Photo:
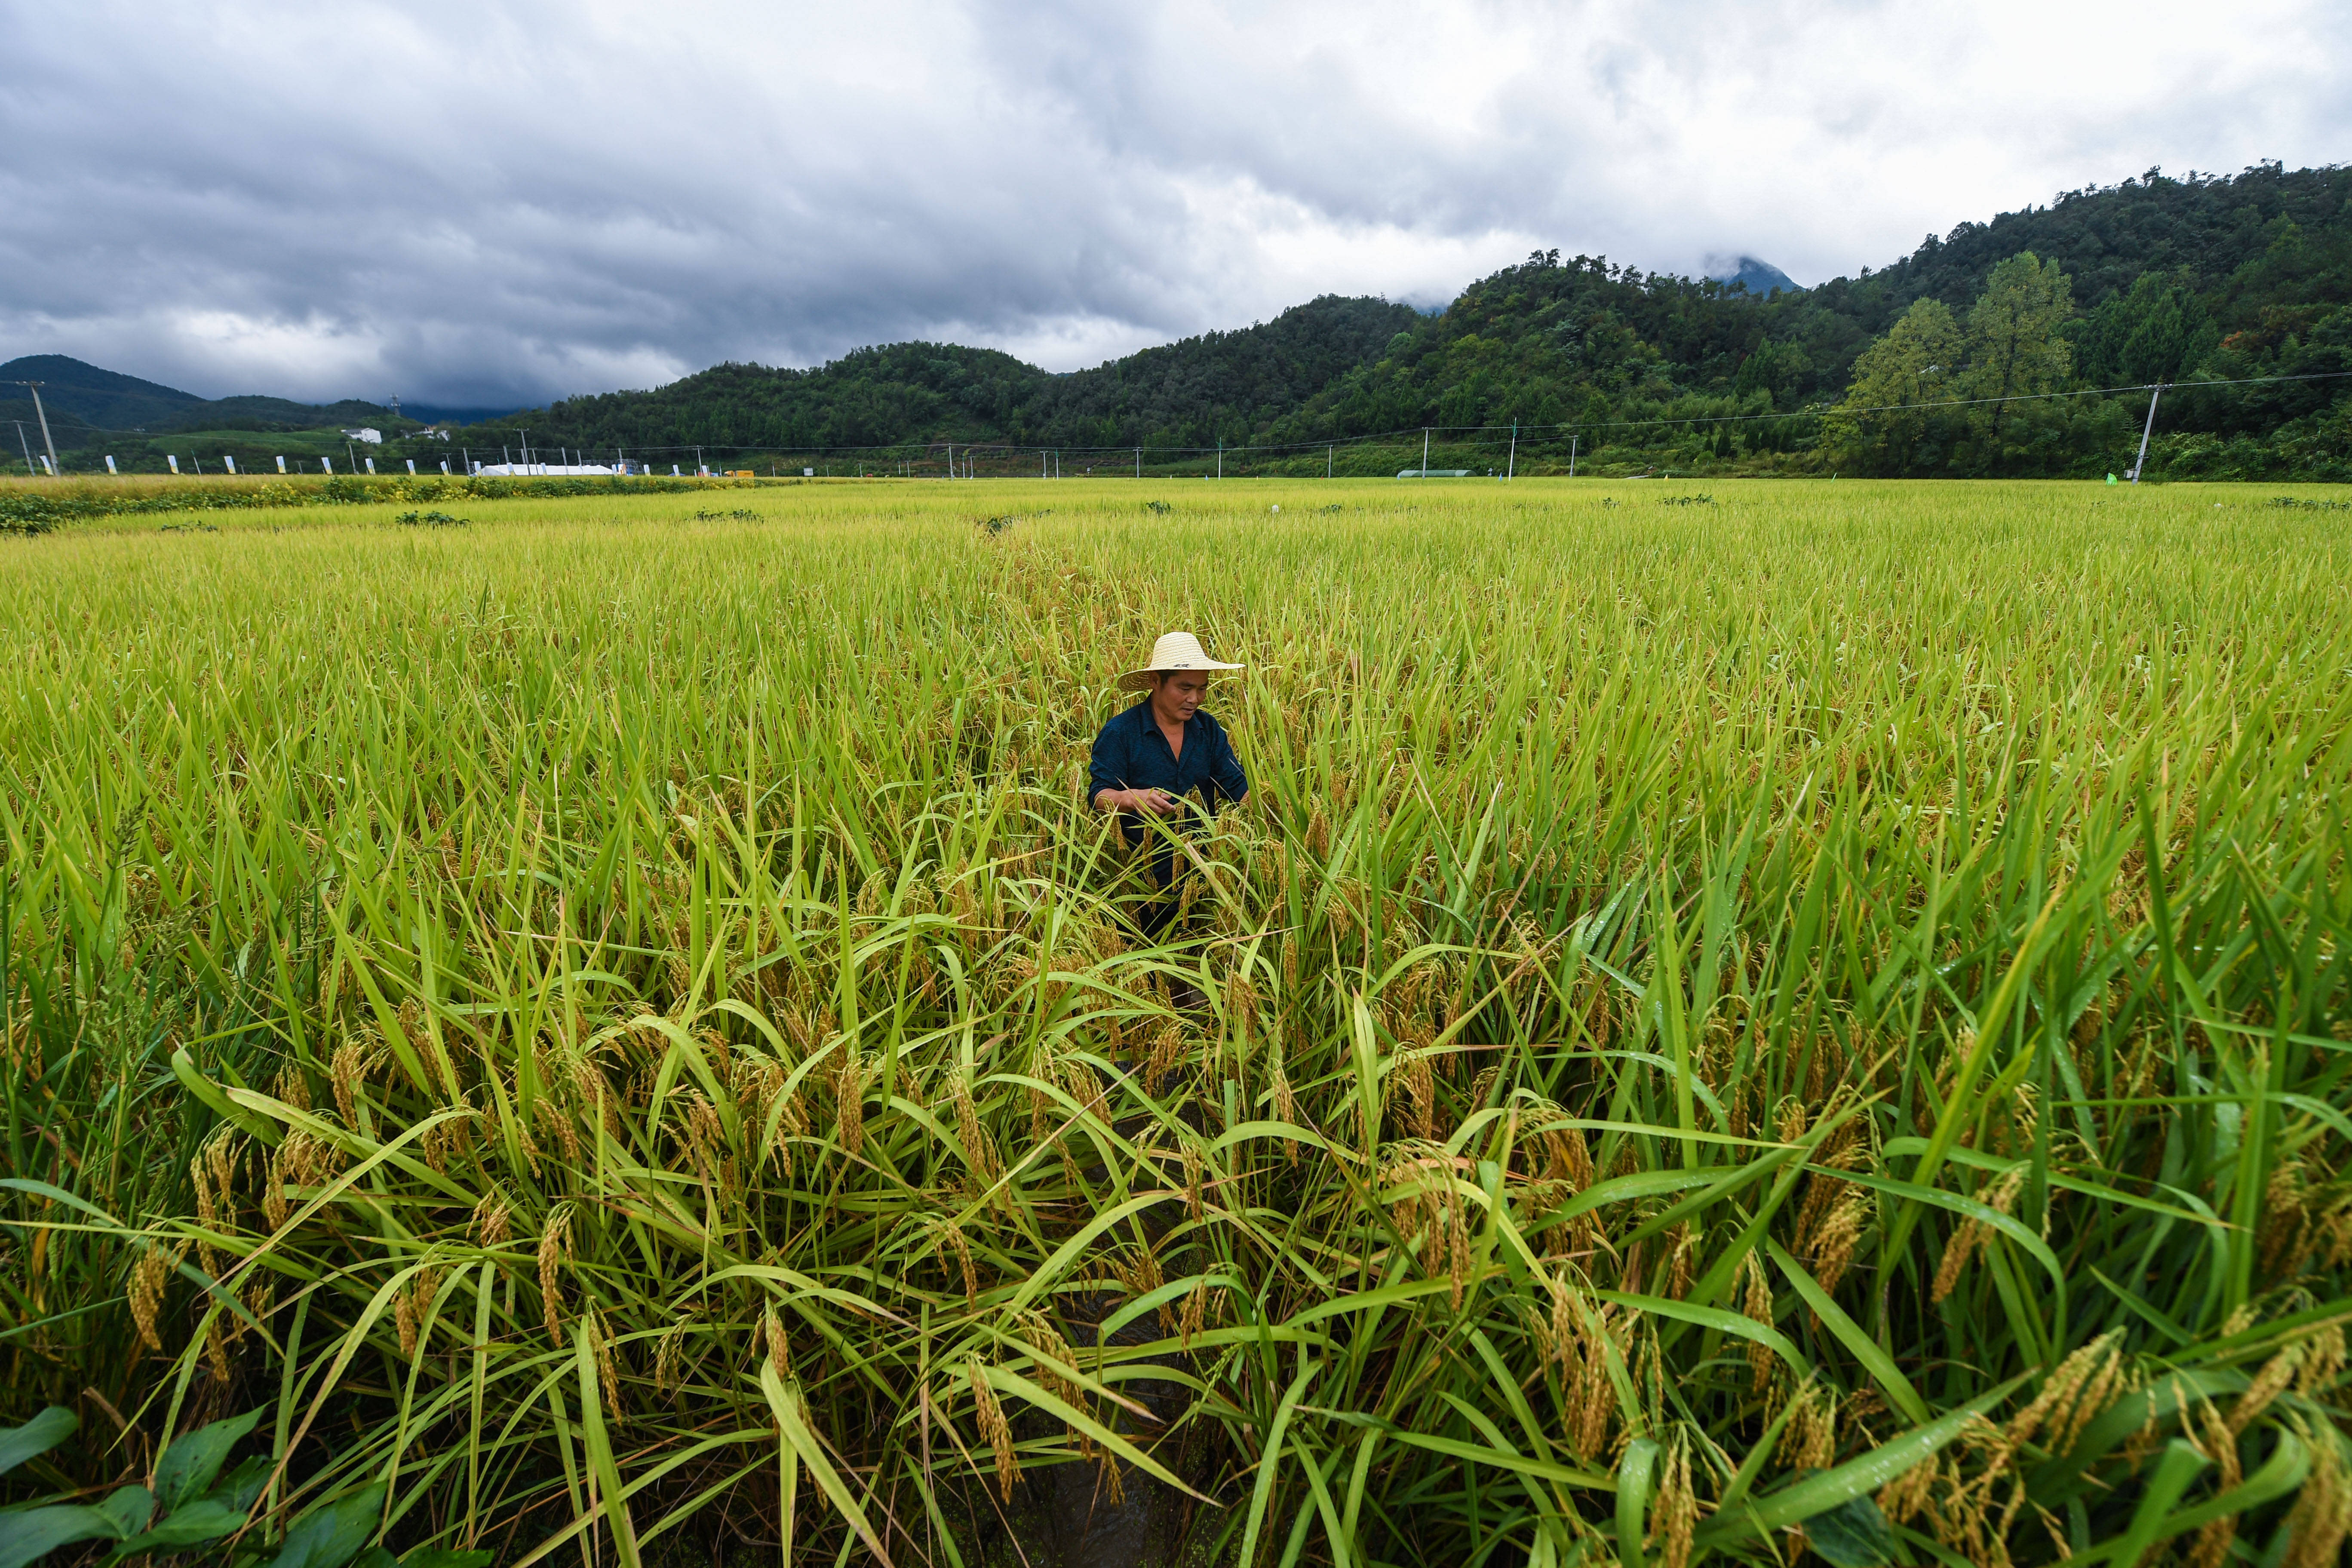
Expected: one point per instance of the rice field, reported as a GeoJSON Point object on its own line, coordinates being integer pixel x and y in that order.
{"type": "Point", "coordinates": [1790, 1021]}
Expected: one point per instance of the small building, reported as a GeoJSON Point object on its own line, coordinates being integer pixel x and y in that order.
{"type": "Point", "coordinates": [368, 433]}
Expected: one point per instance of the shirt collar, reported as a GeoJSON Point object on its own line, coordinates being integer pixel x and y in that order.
{"type": "Point", "coordinates": [1142, 716]}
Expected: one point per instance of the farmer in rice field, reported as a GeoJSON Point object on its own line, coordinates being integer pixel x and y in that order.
{"type": "Point", "coordinates": [1162, 761]}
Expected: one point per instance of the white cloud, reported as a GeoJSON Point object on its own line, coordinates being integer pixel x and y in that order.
{"type": "Point", "coordinates": [466, 203]}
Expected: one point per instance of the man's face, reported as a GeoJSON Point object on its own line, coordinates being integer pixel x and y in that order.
{"type": "Point", "coordinates": [1179, 694]}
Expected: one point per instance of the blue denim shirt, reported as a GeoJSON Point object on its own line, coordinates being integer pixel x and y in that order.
{"type": "Point", "coordinates": [1131, 753]}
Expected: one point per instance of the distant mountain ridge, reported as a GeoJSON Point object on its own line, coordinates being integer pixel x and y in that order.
{"type": "Point", "coordinates": [85, 398]}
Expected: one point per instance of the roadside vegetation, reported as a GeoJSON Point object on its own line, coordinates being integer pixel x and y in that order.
{"type": "Point", "coordinates": [41, 506]}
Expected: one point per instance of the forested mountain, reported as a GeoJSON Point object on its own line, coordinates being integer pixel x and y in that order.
{"type": "Point", "coordinates": [2202, 282]}
{"type": "Point", "coordinates": [1993, 350]}
{"type": "Point", "coordinates": [79, 394]}
{"type": "Point", "coordinates": [2195, 280]}
{"type": "Point", "coordinates": [2105, 239]}
{"type": "Point", "coordinates": [1186, 394]}
{"type": "Point", "coordinates": [2157, 279]}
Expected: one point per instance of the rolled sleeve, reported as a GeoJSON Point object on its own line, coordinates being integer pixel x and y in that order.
{"type": "Point", "coordinates": [1108, 769]}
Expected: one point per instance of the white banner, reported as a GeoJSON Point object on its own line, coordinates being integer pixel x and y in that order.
{"type": "Point", "coordinates": [281, 464]}
{"type": "Point", "coordinates": [109, 465]}
{"type": "Point", "coordinates": [174, 461]}
{"type": "Point", "coordinates": [228, 462]}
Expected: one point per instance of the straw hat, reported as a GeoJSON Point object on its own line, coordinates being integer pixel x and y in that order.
{"type": "Point", "coordinates": [1177, 651]}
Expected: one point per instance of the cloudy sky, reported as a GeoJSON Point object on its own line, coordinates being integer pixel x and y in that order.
{"type": "Point", "coordinates": [493, 203]}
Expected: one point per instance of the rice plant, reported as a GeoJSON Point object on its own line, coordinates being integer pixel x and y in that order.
{"type": "Point", "coordinates": [1814, 1022]}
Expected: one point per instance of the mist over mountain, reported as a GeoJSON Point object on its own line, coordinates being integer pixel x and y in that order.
{"type": "Point", "coordinates": [1758, 278]}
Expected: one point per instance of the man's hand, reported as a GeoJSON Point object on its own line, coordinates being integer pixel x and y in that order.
{"type": "Point", "coordinates": [1150, 802]}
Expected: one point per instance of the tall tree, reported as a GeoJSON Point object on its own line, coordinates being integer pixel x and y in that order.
{"type": "Point", "coordinates": [2158, 330]}
{"type": "Point", "coordinates": [1883, 424]}
{"type": "Point", "coordinates": [2013, 343]}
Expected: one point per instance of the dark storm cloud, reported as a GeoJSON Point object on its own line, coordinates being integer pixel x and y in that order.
{"type": "Point", "coordinates": [497, 205]}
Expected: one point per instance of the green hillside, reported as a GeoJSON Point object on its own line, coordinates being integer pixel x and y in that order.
{"type": "Point", "coordinates": [2157, 279]}
{"type": "Point", "coordinates": [80, 397]}
{"type": "Point", "coordinates": [1194, 393]}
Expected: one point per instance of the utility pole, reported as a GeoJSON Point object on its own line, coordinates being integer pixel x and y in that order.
{"type": "Point", "coordinates": [1328, 452]}
{"type": "Point", "coordinates": [2145, 430]}
{"type": "Point", "coordinates": [1221, 459]}
{"type": "Point", "coordinates": [1512, 467]}
{"type": "Point", "coordinates": [526, 449]}
{"type": "Point", "coordinates": [1424, 451]}
{"type": "Point", "coordinates": [43, 416]}
{"type": "Point", "coordinates": [1571, 457]}
{"type": "Point", "coordinates": [1139, 463]}
{"type": "Point", "coordinates": [30, 471]}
